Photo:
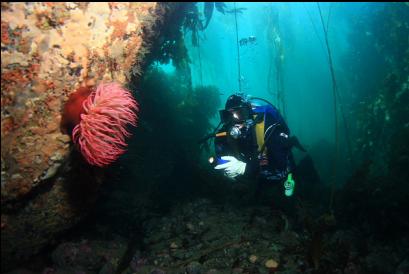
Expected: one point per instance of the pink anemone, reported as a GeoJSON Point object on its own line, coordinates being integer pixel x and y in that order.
{"type": "Point", "coordinates": [97, 120]}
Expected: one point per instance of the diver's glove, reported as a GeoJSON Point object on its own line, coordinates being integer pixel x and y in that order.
{"type": "Point", "coordinates": [289, 185]}
{"type": "Point", "coordinates": [233, 167]}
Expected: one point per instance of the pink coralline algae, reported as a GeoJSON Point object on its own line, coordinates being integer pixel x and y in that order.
{"type": "Point", "coordinates": [97, 121]}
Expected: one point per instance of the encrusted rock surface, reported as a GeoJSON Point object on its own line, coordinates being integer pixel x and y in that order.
{"type": "Point", "coordinates": [48, 50]}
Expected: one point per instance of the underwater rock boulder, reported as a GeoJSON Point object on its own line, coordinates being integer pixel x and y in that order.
{"type": "Point", "coordinates": [49, 50]}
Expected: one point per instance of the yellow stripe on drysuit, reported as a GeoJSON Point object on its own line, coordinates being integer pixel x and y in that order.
{"type": "Point", "coordinates": [260, 134]}
{"type": "Point", "coordinates": [221, 134]}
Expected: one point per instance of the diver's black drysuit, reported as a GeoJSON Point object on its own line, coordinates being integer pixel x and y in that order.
{"type": "Point", "coordinates": [278, 160]}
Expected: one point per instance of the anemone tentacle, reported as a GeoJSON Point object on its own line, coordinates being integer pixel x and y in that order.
{"type": "Point", "coordinates": [101, 133]}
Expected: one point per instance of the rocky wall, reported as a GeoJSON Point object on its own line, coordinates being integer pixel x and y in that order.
{"type": "Point", "coordinates": [48, 50]}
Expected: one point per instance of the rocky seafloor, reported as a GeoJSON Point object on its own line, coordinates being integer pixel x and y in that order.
{"type": "Point", "coordinates": [204, 237]}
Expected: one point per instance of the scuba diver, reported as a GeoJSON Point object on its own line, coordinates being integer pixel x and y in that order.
{"type": "Point", "coordinates": [255, 141]}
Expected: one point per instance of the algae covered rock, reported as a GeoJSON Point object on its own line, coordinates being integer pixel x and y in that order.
{"type": "Point", "coordinates": [48, 51]}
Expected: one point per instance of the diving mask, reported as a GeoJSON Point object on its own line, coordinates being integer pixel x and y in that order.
{"type": "Point", "coordinates": [235, 115]}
